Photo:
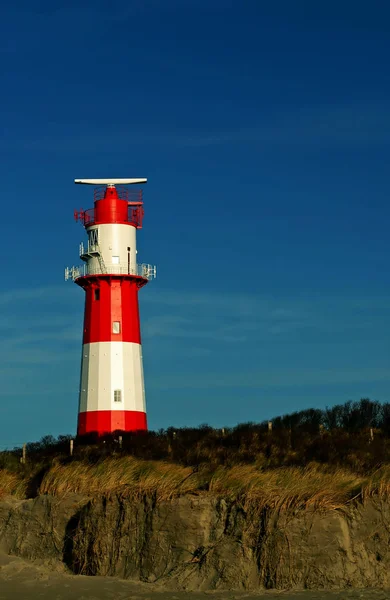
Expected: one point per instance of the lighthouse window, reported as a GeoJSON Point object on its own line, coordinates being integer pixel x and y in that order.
{"type": "Point", "coordinates": [116, 327]}
{"type": "Point", "coordinates": [117, 395]}
{"type": "Point", "coordinates": [97, 294]}
{"type": "Point", "coordinates": [93, 237]}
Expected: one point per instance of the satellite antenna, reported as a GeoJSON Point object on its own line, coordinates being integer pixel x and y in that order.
{"type": "Point", "coordinates": [110, 182]}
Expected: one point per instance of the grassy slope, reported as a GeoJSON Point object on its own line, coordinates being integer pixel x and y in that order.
{"type": "Point", "coordinates": [312, 486]}
{"type": "Point", "coordinates": [310, 458]}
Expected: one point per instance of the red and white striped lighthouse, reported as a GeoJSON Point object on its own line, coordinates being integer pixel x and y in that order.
{"type": "Point", "coordinates": [112, 391]}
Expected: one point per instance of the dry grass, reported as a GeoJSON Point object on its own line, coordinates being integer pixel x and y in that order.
{"type": "Point", "coordinates": [288, 488]}
{"type": "Point", "coordinates": [125, 474]}
{"type": "Point", "coordinates": [378, 484]}
{"type": "Point", "coordinates": [292, 487]}
{"type": "Point", "coordinates": [12, 484]}
{"type": "Point", "coordinates": [314, 486]}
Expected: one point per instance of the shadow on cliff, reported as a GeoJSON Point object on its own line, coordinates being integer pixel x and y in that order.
{"type": "Point", "coordinates": [68, 556]}
{"type": "Point", "coordinates": [34, 483]}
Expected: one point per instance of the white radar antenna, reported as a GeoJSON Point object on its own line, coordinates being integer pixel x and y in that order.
{"type": "Point", "coordinates": [110, 182]}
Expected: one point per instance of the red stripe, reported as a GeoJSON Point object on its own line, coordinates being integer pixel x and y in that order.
{"type": "Point", "coordinates": [117, 301]}
{"type": "Point", "coordinates": [107, 421]}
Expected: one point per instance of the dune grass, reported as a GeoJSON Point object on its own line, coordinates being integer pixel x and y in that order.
{"type": "Point", "coordinates": [12, 484]}
{"type": "Point", "coordinates": [310, 458]}
{"type": "Point", "coordinates": [119, 475]}
{"type": "Point", "coordinates": [313, 486]}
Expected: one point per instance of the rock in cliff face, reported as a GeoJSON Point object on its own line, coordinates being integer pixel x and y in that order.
{"type": "Point", "coordinates": [202, 542]}
{"type": "Point", "coordinates": [36, 528]}
{"type": "Point", "coordinates": [189, 542]}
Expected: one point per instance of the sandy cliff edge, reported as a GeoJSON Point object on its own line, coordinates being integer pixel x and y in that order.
{"type": "Point", "coordinates": [202, 542]}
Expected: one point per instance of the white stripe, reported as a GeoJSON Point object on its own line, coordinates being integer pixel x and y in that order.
{"type": "Point", "coordinates": [110, 366]}
{"type": "Point", "coordinates": [114, 239]}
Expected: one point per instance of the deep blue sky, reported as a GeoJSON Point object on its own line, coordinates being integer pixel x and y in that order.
{"type": "Point", "coordinates": [264, 130]}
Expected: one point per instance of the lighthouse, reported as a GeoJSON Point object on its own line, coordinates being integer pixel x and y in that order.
{"type": "Point", "coordinates": [112, 390]}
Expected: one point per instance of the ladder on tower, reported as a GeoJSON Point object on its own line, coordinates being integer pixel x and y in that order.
{"type": "Point", "coordinates": [93, 251]}
{"type": "Point", "coordinates": [102, 264]}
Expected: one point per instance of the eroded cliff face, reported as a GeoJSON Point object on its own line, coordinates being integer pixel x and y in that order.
{"type": "Point", "coordinates": [202, 542]}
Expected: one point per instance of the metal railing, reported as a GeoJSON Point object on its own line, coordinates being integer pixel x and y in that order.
{"type": "Point", "coordinates": [143, 270]}
{"type": "Point", "coordinates": [123, 193]}
{"type": "Point", "coordinates": [93, 250]}
{"type": "Point", "coordinates": [89, 249]}
{"type": "Point", "coordinates": [134, 216]}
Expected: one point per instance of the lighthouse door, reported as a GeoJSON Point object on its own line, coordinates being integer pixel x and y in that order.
{"type": "Point", "coordinates": [128, 260]}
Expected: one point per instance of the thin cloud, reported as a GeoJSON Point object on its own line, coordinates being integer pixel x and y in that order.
{"type": "Point", "coordinates": [171, 326]}
{"type": "Point", "coordinates": [322, 127]}
{"type": "Point", "coordinates": [225, 318]}
{"type": "Point", "coordinates": [265, 378]}
{"type": "Point", "coordinates": [35, 356]}
{"type": "Point", "coordinates": [200, 324]}
{"type": "Point", "coordinates": [59, 336]}
{"type": "Point", "coordinates": [27, 294]}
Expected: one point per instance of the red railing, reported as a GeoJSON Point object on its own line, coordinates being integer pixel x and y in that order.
{"type": "Point", "coordinates": [123, 193]}
{"type": "Point", "coordinates": [134, 217]}
{"type": "Point", "coordinates": [135, 210]}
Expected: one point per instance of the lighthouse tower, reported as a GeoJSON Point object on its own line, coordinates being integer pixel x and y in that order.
{"type": "Point", "coordinates": [112, 392]}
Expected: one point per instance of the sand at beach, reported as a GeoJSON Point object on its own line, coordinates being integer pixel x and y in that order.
{"type": "Point", "coordinates": [20, 580]}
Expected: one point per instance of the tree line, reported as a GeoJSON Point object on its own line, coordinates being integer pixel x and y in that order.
{"type": "Point", "coordinates": [354, 435]}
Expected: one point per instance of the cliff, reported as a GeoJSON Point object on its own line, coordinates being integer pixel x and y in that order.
{"type": "Point", "coordinates": [203, 540]}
